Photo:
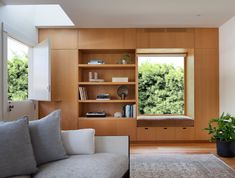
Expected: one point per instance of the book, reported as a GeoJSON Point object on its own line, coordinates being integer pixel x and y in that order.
{"type": "Point", "coordinates": [134, 111]}
{"type": "Point", "coordinates": [83, 93]}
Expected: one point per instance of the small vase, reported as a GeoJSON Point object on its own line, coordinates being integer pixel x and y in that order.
{"type": "Point", "coordinates": [225, 149]}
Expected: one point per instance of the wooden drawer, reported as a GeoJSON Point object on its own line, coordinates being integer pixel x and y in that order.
{"type": "Point", "coordinates": [165, 133]}
{"type": "Point", "coordinates": [146, 133]}
{"type": "Point", "coordinates": [184, 133]}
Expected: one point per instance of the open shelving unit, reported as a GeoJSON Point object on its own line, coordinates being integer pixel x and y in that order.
{"type": "Point", "coordinates": [111, 68]}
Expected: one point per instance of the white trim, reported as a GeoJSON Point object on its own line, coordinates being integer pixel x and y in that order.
{"type": "Point", "coordinates": [1, 71]}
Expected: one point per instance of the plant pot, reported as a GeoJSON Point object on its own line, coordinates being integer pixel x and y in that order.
{"type": "Point", "coordinates": [225, 149]}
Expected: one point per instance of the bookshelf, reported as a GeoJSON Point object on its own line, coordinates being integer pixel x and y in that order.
{"type": "Point", "coordinates": [111, 68]}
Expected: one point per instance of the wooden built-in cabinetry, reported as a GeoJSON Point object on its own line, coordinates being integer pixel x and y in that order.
{"type": "Point", "coordinates": [108, 125]}
{"type": "Point", "coordinates": [73, 48]}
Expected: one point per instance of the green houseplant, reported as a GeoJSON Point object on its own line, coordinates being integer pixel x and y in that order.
{"type": "Point", "coordinates": [222, 130]}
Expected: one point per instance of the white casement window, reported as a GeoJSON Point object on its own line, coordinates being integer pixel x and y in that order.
{"type": "Point", "coordinates": [26, 75]}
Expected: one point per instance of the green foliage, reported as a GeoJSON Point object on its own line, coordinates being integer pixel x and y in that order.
{"type": "Point", "coordinates": [161, 89]}
{"type": "Point", "coordinates": [222, 128]}
{"type": "Point", "coordinates": [18, 78]}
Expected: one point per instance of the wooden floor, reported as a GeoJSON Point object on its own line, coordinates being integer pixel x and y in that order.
{"type": "Point", "coordinates": [184, 148]}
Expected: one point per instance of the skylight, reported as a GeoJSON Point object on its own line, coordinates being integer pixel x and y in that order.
{"type": "Point", "coordinates": [51, 15]}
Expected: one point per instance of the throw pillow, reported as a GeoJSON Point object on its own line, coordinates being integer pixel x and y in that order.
{"type": "Point", "coordinates": [16, 152]}
{"type": "Point", "coordinates": [79, 141]}
{"type": "Point", "coordinates": [46, 138]}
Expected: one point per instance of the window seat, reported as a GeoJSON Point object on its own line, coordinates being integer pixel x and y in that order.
{"type": "Point", "coordinates": [165, 121]}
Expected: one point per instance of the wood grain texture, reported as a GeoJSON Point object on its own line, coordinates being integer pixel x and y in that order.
{"type": "Point", "coordinates": [207, 38]}
{"type": "Point", "coordinates": [107, 39]}
{"type": "Point", "coordinates": [64, 76]}
{"type": "Point", "coordinates": [60, 38]}
{"type": "Point", "coordinates": [206, 90]}
{"type": "Point", "coordinates": [165, 38]}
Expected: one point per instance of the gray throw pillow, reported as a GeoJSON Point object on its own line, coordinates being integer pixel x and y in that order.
{"type": "Point", "coordinates": [16, 152]}
{"type": "Point", "coordinates": [46, 138]}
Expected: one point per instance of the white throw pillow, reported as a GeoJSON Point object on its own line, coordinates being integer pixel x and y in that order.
{"type": "Point", "coordinates": [79, 141]}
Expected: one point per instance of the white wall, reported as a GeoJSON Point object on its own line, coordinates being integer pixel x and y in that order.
{"type": "Point", "coordinates": [227, 66]}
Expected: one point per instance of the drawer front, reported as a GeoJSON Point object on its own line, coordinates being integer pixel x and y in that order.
{"type": "Point", "coordinates": [146, 133]}
{"type": "Point", "coordinates": [184, 133]}
{"type": "Point", "coordinates": [165, 133]}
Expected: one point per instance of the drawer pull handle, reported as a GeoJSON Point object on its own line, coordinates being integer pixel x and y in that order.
{"type": "Point", "coordinates": [184, 128]}
{"type": "Point", "coordinates": [165, 128]}
{"type": "Point", "coordinates": [146, 128]}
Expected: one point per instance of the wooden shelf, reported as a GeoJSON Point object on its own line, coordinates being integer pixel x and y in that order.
{"type": "Point", "coordinates": [106, 101]}
{"type": "Point", "coordinates": [106, 118]}
{"type": "Point", "coordinates": [106, 83]}
{"type": "Point", "coordinates": [107, 65]}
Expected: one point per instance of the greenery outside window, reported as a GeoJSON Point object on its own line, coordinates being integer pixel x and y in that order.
{"type": "Point", "coordinates": [17, 68]}
{"type": "Point", "coordinates": [161, 84]}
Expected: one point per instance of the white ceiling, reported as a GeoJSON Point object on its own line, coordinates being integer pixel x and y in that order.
{"type": "Point", "coordinates": [142, 13]}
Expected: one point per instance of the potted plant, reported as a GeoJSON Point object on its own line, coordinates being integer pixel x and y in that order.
{"type": "Point", "coordinates": [222, 130]}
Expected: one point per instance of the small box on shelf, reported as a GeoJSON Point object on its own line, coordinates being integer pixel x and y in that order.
{"type": "Point", "coordinates": [119, 79]}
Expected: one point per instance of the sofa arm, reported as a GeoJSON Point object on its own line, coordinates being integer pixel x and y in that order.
{"type": "Point", "coordinates": [112, 144]}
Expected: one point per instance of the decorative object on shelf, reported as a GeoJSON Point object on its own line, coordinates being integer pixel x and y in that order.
{"type": "Point", "coordinates": [83, 93]}
{"type": "Point", "coordinates": [95, 114]}
{"type": "Point", "coordinates": [119, 79]}
{"type": "Point", "coordinates": [94, 78]}
{"type": "Point", "coordinates": [122, 92]}
{"type": "Point", "coordinates": [96, 61]}
{"type": "Point", "coordinates": [126, 59]}
{"type": "Point", "coordinates": [117, 114]}
{"type": "Point", "coordinates": [103, 96]}
{"type": "Point", "coordinates": [222, 130]}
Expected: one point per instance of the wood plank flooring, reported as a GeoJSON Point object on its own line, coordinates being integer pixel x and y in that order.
{"type": "Point", "coordinates": [184, 148]}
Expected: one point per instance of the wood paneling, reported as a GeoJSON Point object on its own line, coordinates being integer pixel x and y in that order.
{"type": "Point", "coordinates": [146, 133]}
{"type": "Point", "coordinates": [165, 133]}
{"type": "Point", "coordinates": [184, 133]}
{"type": "Point", "coordinates": [64, 87]}
{"type": "Point", "coordinates": [206, 38]}
{"type": "Point", "coordinates": [206, 89]}
{"type": "Point", "coordinates": [127, 127]}
{"type": "Point", "coordinates": [107, 38]}
{"type": "Point", "coordinates": [60, 38]}
{"type": "Point", "coordinates": [102, 127]}
{"type": "Point", "coordinates": [165, 38]}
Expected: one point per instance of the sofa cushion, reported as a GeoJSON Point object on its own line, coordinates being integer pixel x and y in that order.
{"type": "Point", "coordinates": [16, 152]}
{"type": "Point", "coordinates": [46, 138]}
{"type": "Point", "coordinates": [99, 165]}
{"type": "Point", "coordinates": [79, 141]}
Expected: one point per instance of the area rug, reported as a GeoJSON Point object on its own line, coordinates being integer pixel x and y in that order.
{"type": "Point", "coordinates": [179, 166]}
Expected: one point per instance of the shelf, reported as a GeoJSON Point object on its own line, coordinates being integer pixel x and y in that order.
{"type": "Point", "coordinates": [106, 118]}
{"type": "Point", "coordinates": [106, 83]}
{"type": "Point", "coordinates": [106, 101]}
{"type": "Point", "coordinates": [106, 65]}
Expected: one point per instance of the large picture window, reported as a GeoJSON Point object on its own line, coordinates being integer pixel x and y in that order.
{"type": "Point", "coordinates": [161, 85]}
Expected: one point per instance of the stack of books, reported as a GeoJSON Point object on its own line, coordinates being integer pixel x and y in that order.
{"type": "Point", "coordinates": [83, 93]}
{"type": "Point", "coordinates": [96, 61]}
{"type": "Point", "coordinates": [129, 111]}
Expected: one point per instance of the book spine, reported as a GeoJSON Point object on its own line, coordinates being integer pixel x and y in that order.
{"type": "Point", "coordinates": [131, 110]}
{"type": "Point", "coordinates": [134, 111]}
{"type": "Point", "coordinates": [80, 92]}
{"type": "Point", "coordinates": [127, 110]}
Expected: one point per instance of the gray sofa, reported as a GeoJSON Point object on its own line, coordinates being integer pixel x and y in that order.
{"type": "Point", "coordinates": [111, 160]}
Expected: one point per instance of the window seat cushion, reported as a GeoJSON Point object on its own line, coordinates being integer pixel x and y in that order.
{"type": "Point", "coordinates": [165, 121]}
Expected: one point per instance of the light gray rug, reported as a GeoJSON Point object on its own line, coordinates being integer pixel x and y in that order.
{"type": "Point", "coordinates": [179, 166]}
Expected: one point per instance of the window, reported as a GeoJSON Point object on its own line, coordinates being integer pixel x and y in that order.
{"type": "Point", "coordinates": [161, 84]}
{"type": "Point", "coordinates": [17, 68]}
